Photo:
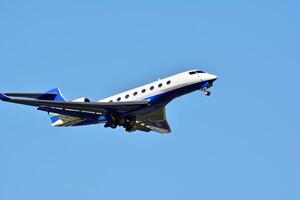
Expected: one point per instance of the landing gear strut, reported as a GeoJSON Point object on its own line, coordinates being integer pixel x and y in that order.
{"type": "Point", "coordinates": [111, 122]}
{"type": "Point", "coordinates": [128, 125]}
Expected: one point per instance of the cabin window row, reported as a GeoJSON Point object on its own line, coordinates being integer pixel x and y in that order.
{"type": "Point", "coordinates": [143, 91]}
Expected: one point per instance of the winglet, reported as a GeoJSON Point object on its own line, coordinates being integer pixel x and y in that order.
{"type": "Point", "coordinates": [3, 97]}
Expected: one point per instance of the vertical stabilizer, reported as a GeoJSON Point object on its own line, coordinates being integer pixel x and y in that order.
{"type": "Point", "coordinates": [54, 95]}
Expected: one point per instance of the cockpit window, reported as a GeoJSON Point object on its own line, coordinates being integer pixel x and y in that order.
{"type": "Point", "coordinates": [196, 72]}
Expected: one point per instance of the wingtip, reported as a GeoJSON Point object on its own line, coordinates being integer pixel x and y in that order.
{"type": "Point", "coordinates": [3, 97]}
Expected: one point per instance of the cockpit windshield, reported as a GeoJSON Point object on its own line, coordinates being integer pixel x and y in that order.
{"type": "Point", "coordinates": [196, 72]}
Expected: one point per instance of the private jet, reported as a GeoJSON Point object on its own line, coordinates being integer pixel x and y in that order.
{"type": "Point", "coordinates": [142, 108]}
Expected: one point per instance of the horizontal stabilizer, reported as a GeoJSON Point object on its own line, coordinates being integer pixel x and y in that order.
{"type": "Point", "coordinates": [3, 97]}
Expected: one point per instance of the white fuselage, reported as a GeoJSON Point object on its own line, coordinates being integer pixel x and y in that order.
{"type": "Point", "coordinates": [161, 86]}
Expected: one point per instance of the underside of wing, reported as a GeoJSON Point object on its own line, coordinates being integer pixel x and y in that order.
{"type": "Point", "coordinates": [155, 121]}
{"type": "Point", "coordinates": [113, 114]}
{"type": "Point", "coordinates": [59, 120]}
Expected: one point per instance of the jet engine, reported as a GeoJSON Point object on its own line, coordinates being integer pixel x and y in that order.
{"type": "Point", "coordinates": [82, 99]}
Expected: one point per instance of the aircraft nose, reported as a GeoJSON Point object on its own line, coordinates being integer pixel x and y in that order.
{"type": "Point", "coordinates": [215, 77]}
{"type": "Point", "coordinates": [212, 77]}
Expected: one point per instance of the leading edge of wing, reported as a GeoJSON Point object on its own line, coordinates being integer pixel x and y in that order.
{"type": "Point", "coordinates": [30, 95]}
{"type": "Point", "coordinates": [101, 107]}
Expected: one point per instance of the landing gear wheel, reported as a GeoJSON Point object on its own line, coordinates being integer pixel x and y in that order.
{"type": "Point", "coordinates": [126, 123]}
{"type": "Point", "coordinates": [129, 128]}
{"type": "Point", "coordinates": [113, 126]}
{"type": "Point", "coordinates": [207, 93]}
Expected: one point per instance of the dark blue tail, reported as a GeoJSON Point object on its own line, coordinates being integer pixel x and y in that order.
{"type": "Point", "coordinates": [53, 95]}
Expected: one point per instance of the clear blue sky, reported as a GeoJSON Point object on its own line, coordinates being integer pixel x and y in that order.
{"type": "Point", "coordinates": [243, 142]}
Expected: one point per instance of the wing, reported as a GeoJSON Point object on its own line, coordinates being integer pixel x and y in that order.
{"type": "Point", "coordinates": [155, 121]}
{"type": "Point", "coordinates": [88, 107]}
{"type": "Point", "coordinates": [88, 112]}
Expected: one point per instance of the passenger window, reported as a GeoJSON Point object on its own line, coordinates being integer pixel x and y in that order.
{"type": "Point", "coordinates": [119, 99]}
{"type": "Point", "coordinates": [159, 85]}
{"type": "Point", "coordinates": [168, 82]}
{"type": "Point", "coordinates": [110, 100]}
{"type": "Point", "coordinates": [135, 93]}
{"type": "Point", "coordinates": [144, 90]}
{"type": "Point", "coordinates": [152, 87]}
{"type": "Point", "coordinates": [127, 95]}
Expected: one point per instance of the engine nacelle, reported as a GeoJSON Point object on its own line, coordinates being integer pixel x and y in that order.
{"type": "Point", "coordinates": [82, 99]}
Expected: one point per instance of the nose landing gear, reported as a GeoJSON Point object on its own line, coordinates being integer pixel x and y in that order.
{"type": "Point", "coordinates": [205, 92]}
{"type": "Point", "coordinates": [204, 88]}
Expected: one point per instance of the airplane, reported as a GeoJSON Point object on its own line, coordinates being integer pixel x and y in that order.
{"type": "Point", "coordinates": [141, 108]}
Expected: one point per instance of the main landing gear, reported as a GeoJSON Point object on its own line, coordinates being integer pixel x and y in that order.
{"type": "Point", "coordinates": [114, 122]}
{"type": "Point", "coordinates": [128, 125]}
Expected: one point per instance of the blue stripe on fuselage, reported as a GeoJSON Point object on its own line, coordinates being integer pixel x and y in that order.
{"type": "Point", "coordinates": [170, 95]}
